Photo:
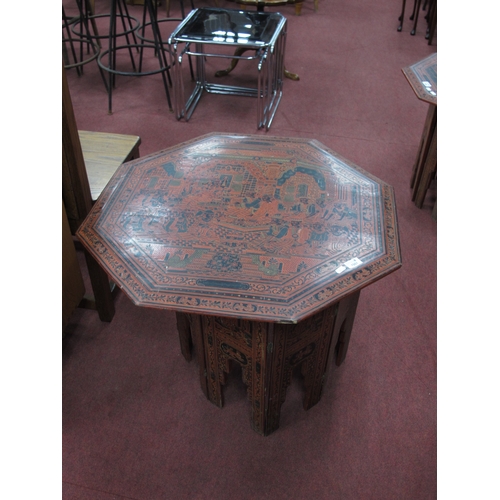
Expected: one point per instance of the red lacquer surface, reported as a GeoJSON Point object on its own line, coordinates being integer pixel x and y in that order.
{"type": "Point", "coordinates": [252, 227]}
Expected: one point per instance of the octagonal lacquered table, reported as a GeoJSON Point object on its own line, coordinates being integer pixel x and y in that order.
{"type": "Point", "coordinates": [260, 244]}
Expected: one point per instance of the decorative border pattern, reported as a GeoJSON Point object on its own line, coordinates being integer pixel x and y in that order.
{"type": "Point", "coordinates": [422, 76]}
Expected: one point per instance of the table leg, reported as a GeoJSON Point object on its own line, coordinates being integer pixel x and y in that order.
{"type": "Point", "coordinates": [335, 335]}
{"type": "Point", "coordinates": [345, 322]}
{"type": "Point", "coordinates": [428, 172]}
{"type": "Point", "coordinates": [102, 289]}
{"type": "Point", "coordinates": [196, 330]}
{"type": "Point", "coordinates": [259, 350]}
{"type": "Point", "coordinates": [271, 381]}
{"type": "Point", "coordinates": [184, 331]}
{"type": "Point", "coordinates": [425, 141]}
{"type": "Point", "coordinates": [434, 214]}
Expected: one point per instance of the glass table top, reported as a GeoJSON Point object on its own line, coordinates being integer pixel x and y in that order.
{"type": "Point", "coordinates": [229, 26]}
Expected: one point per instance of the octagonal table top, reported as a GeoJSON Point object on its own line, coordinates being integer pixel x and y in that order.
{"type": "Point", "coordinates": [260, 228]}
{"type": "Point", "coordinates": [422, 77]}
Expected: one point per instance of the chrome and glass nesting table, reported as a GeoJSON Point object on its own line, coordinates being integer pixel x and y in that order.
{"type": "Point", "coordinates": [217, 32]}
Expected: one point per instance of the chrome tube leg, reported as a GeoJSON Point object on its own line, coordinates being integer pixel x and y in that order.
{"type": "Point", "coordinates": [260, 94]}
{"type": "Point", "coordinates": [174, 64]}
{"type": "Point", "coordinates": [181, 105]}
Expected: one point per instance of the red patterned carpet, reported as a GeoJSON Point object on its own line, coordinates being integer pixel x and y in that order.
{"type": "Point", "coordinates": [135, 424]}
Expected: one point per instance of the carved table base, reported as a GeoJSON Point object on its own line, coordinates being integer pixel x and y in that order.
{"type": "Point", "coordinates": [268, 353]}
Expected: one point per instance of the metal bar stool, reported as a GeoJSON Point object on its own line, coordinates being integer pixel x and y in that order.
{"type": "Point", "coordinates": [136, 42]}
{"type": "Point", "coordinates": [79, 33]}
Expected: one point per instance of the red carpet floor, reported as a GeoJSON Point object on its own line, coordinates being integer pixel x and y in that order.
{"type": "Point", "coordinates": [135, 422]}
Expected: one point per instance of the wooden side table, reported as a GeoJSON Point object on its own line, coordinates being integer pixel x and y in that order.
{"type": "Point", "coordinates": [422, 77]}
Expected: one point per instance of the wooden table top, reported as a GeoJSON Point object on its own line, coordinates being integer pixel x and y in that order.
{"type": "Point", "coordinates": [103, 154]}
{"type": "Point", "coordinates": [422, 76]}
{"type": "Point", "coordinates": [254, 227]}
